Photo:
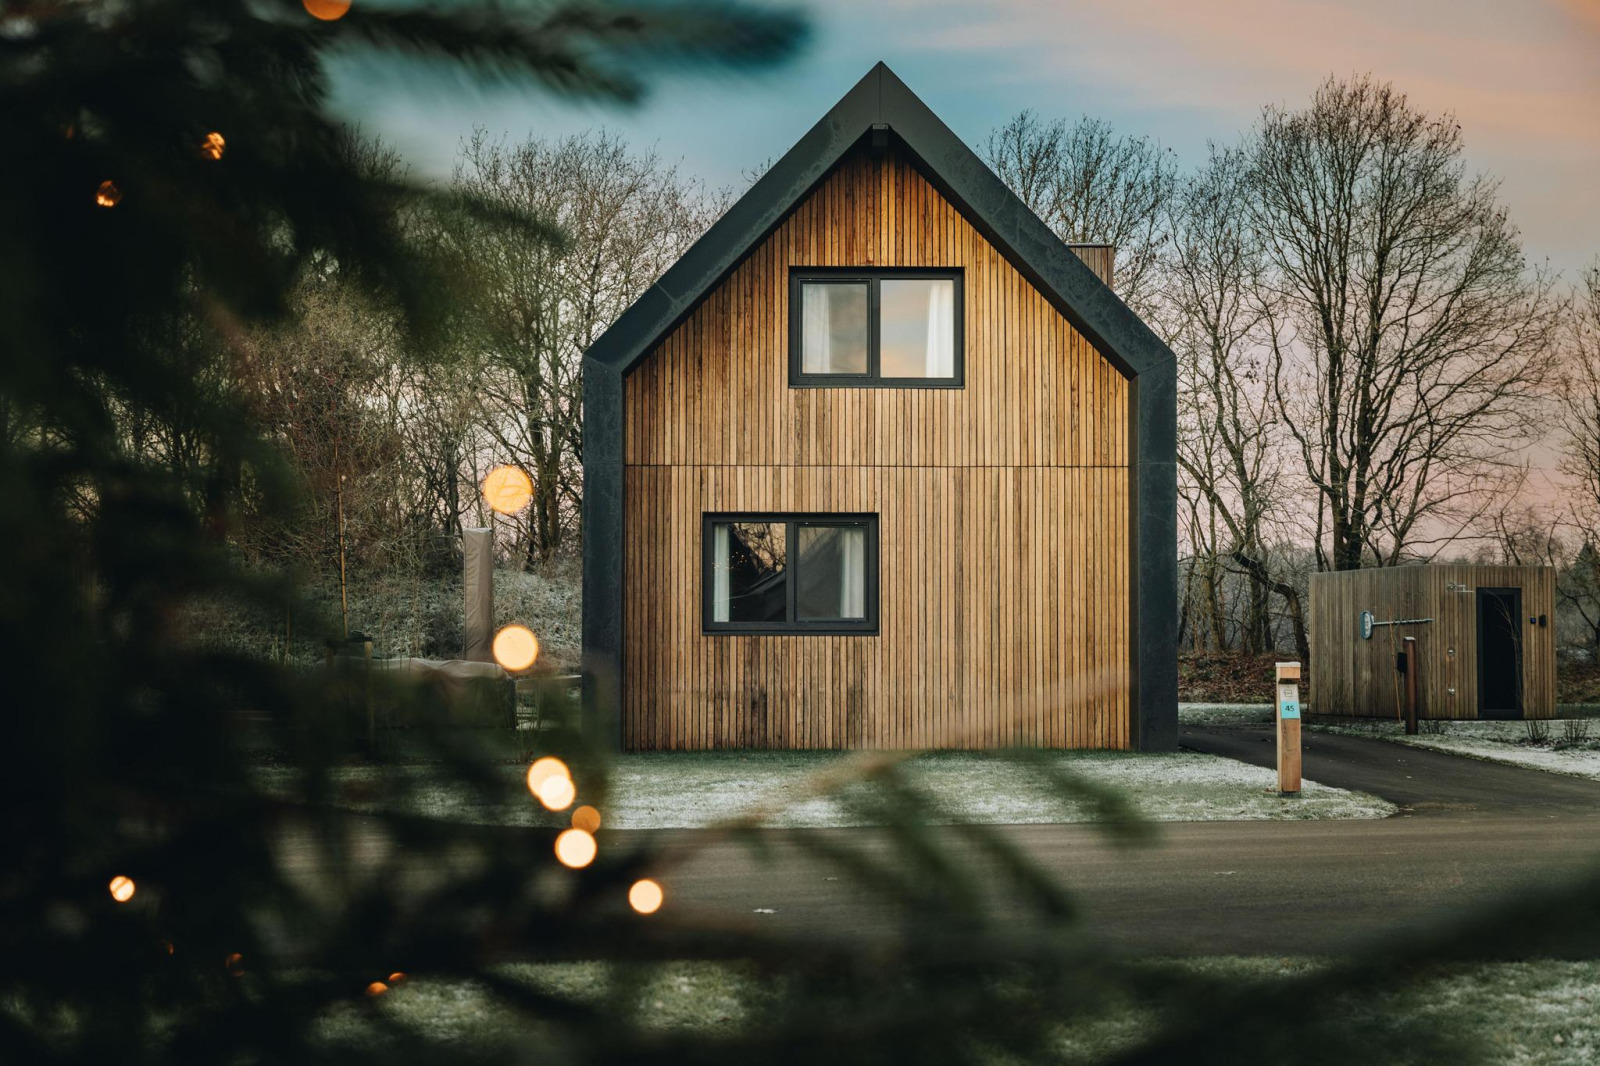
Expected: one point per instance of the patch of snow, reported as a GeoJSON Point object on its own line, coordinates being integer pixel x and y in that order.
{"type": "Point", "coordinates": [1224, 713]}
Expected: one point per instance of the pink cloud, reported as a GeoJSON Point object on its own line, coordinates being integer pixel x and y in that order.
{"type": "Point", "coordinates": [1517, 70]}
{"type": "Point", "coordinates": [1522, 78]}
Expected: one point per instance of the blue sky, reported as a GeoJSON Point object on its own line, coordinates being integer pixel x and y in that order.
{"type": "Point", "coordinates": [1522, 77]}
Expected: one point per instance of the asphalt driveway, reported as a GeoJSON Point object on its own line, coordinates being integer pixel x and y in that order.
{"type": "Point", "coordinates": [1415, 779]}
{"type": "Point", "coordinates": [1470, 834]}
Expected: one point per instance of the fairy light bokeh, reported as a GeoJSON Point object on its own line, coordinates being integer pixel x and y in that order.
{"type": "Point", "coordinates": [587, 819]}
{"type": "Point", "coordinates": [575, 848]}
{"type": "Point", "coordinates": [545, 768]}
{"type": "Point", "coordinates": [515, 648]}
{"type": "Point", "coordinates": [327, 10]}
{"type": "Point", "coordinates": [557, 793]}
{"type": "Point", "coordinates": [108, 195]}
{"type": "Point", "coordinates": [646, 896]}
{"type": "Point", "coordinates": [122, 888]}
{"type": "Point", "coordinates": [507, 489]}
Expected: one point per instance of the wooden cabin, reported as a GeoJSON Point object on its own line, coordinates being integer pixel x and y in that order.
{"type": "Point", "coordinates": [1485, 641]}
{"type": "Point", "coordinates": [880, 463]}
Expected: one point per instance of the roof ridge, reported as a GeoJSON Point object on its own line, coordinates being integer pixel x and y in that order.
{"type": "Point", "coordinates": [880, 98]}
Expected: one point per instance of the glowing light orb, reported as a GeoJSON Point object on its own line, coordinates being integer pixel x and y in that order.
{"type": "Point", "coordinates": [556, 792]}
{"type": "Point", "coordinates": [234, 963]}
{"type": "Point", "coordinates": [586, 818]}
{"type": "Point", "coordinates": [107, 195]}
{"type": "Point", "coordinates": [122, 888]}
{"type": "Point", "coordinates": [507, 489]}
{"type": "Point", "coordinates": [212, 146]}
{"type": "Point", "coordinates": [377, 988]}
{"type": "Point", "coordinates": [327, 10]}
{"type": "Point", "coordinates": [396, 977]}
{"type": "Point", "coordinates": [645, 896]}
{"type": "Point", "coordinates": [515, 647]}
{"type": "Point", "coordinates": [545, 768]}
{"type": "Point", "coordinates": [575, 848]}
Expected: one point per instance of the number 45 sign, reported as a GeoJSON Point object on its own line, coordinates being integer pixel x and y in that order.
{"type": "Point", "coordinates": [1288, 719]}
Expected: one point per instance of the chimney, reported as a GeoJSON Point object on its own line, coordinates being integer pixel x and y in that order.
{"type": "Point", "coordinates": [1100, 258]}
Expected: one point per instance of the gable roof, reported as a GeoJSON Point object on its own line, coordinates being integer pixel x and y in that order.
{"type": "Point", "coordinates": [880, 100]}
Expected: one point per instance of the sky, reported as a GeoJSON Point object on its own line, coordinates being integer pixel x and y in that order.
{"type": "Point", "coordinates": [1521, 76]}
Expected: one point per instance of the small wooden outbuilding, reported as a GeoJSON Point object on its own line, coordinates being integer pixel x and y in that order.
{"type": "Point", "coordinates": [1485, 641]}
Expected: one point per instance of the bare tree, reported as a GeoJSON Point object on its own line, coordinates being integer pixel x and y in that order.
{"type": "Point", "coordinates": [1579, 387]}
{"type": "Point", "coordinates": [1211, 311]}
{"type": "Point", "coordinates": [317, 386]}
{"type": "Point", "coordinates": [1578, 422]}
{"type": "Point", "coordinates": [623, 217]}
{"type": "Point", "coordinates": [1091, 185]}
{"type": "Point", "coordinates": [1408, 338]}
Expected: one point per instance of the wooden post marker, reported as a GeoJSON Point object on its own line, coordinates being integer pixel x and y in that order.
{"type": "Point", "coordinates": [1411, 669]}
{"type": "Point", "coordinates": [1288, 718]}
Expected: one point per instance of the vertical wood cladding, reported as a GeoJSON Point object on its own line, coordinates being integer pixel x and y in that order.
{"type": "Point", "coordinates": [1356, 677]}
{"type": "Point", "coordinates": [1004, 506]}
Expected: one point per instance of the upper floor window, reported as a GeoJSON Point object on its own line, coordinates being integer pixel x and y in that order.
{"type": "Point", "coordinates": [895, 328]}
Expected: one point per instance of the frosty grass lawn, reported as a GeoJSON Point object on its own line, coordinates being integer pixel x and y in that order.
{"type": "Point", "coordinates": [1506, 742]}
{"type": "Point", "coordinates": [692, 789]}
{"type": "Point", "coordinates": [671, 790]}
{"type": "Point", "coordinates": [1225, 713]}
{"type": "Point", "coordinates": [1532, 1013]}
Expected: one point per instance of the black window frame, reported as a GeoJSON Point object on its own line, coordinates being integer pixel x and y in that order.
{"type": "Point", "coordinates": [792, 625]}
{"type": "Point", "coordinates": [874, 277]}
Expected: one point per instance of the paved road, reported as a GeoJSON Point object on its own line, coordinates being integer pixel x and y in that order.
{"type": "Point", "coordinates": [1470, 833]}
{"type": "Point", "coordinates": [1206, 888]}
{"type": "Point", "coordinates": [1474, 833]}
{"type": "Point", "coordinates": [1422, 781]}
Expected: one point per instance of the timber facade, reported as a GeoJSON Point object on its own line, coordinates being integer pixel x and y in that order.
{"type": "Point", "coordinates": [783, 551]}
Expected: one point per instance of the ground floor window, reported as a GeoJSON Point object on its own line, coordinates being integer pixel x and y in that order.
{"type": "Point", "coordinates": [790, 573]}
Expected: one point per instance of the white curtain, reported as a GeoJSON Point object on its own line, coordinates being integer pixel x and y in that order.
{"type": "Point", "coordinates": [816, 356]}
{"type": "Point", "coordinates": [719, 573]}
{"type": "Point", "coordinates": [852, 572]}
{"type": "Point", "coordinates": [941, 329]}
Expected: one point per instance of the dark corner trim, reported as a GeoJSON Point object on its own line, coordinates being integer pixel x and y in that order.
{"type": "Point", "coordinates": [1154, 528]}
{"type": "Point", "coordinates": [602, 553]}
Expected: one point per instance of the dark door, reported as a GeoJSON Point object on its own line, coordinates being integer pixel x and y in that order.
{"type": "Point", "coordinates": [1499, 653]}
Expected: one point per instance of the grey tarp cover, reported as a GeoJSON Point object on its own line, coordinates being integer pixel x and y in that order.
{"type": "Point", "coordinates": [450, 677]}
{"type": "Point", "coordinates": [453, 690]}
{"type": "Point", "coordinates": [477, 582]}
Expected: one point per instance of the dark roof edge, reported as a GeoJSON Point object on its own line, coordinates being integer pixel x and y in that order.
{"type": "Point", "coordinates": [952, 167]}
{"type": "Point", "coordinates": [742, 226]}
